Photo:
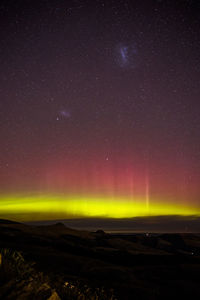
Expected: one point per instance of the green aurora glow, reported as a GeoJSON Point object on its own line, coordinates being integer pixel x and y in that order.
{"type": "Point", "coordinates": [46, 207]}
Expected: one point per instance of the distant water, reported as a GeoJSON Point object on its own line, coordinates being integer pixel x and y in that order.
{"type": "Point", "coordinates": [170, 224]}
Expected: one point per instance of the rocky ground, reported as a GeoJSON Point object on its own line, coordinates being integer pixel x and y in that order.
{"type": "Point", "coordinates": [56, 262]}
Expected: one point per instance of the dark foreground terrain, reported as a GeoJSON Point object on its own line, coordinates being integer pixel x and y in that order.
{"type": "Point", "coordinates": [55, 262]}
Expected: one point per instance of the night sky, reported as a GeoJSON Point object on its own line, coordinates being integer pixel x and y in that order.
{"type": "Point", "coordinates": [99, 108]}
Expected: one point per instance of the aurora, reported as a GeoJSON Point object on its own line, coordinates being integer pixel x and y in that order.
{"type": "Point", "coordinates": [99, 110]}
{"type": "Point", "coordinates": [48, 207]}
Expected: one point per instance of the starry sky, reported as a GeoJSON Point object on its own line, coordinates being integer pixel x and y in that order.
{"type": "Point", "coordinates": [99, 108]}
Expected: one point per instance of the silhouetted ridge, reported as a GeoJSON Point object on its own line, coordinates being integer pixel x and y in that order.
{"type": "Point", "coordinates": [4, 221]}
{"type": "Point", "coordinates": [59, 224]}
{"type": "Point", "coordinates": [57, 259]}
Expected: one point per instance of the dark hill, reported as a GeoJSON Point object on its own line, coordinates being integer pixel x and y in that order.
{"type": "Point", "coordinates": [135, 266]}
{"type": "Point", "coordinates": [3, 221]}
